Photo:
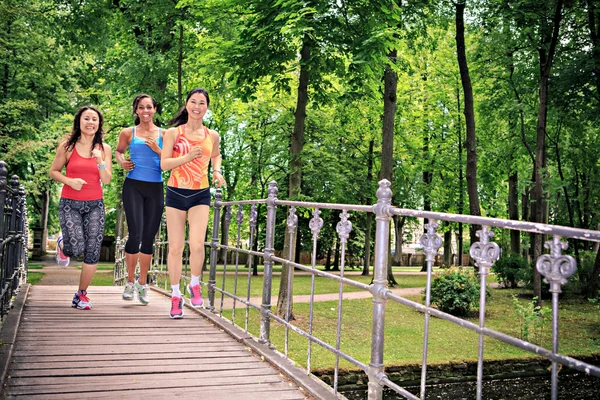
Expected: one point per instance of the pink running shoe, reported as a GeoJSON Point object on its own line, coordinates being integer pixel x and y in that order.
{"type": "Point", "coordinates": [195, 296]}
{"type": "Point", "coordinates": [61, 258]}
{"type": "Point", "coordinates": [81, 301]}
{"type": "Point", "coordinates": [176, 307]}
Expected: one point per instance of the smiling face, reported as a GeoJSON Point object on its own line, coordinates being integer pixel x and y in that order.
{"type": "Point", "coordinates": [145, 109]}
{"type": "Point", "coordinates": [196, 106]}
{"type": "Point", "coordinates": [89, 122]}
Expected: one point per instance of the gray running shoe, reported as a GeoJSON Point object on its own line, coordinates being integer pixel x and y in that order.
{"type": "Point", "coordinates": [142, 291]}
{"type": "Point", "coordinates": [128, 291]}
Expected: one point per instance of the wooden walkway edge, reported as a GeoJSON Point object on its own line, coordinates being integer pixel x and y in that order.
{"type": "Point", "coordinates": [123, 349]}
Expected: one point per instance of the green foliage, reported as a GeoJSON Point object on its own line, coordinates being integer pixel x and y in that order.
{"type": "Point", "coordinates": [455, 291]}
{"type": "Point", "coordinates": [532, 318]}
{"type": "Point", "coordinates": [511, 269]}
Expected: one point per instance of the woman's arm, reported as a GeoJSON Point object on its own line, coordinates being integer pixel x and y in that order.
{"type": "Point", "coordinates": [216, 160]}
{"type": "Point", "coordinates": [104, 160]}
{"type": "Point", "coordinates": [124, 141]}
{"type": "Point", "coordinates": [59, 162]}
{"type": "Point", "coordinates": [167, 161]}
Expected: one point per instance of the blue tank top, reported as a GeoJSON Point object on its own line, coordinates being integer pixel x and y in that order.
{"type": "Point", "coordinates": [147, 162]}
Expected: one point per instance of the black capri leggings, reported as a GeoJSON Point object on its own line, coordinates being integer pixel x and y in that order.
{"type": "Point", "coordinates": [143, 203]}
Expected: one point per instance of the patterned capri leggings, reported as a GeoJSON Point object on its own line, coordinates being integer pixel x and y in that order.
{"type": "Point", "coordinates": [82, 224]}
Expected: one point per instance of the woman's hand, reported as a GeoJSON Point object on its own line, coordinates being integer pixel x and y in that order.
{"type": "Point", "coordinates": [76, 183]}
{"type": "Point", "coordinates": [151, 142]}
{"type": "Point", "coordinates": [97, 154]}
{"type": "Point", "coordinates": [218, 179]}
{"type": "Point", "coordinates": [195, 152]}
{"type": "Point", "coordinates": [127, 164]}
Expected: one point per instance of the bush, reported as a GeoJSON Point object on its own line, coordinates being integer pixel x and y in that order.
{"type": "Point", "coordinates": [512, 269]}
{"type": "Point", "coordinates": [455, 291]}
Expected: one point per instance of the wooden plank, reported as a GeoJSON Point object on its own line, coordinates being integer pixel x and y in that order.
{"type": "Point", "coordinates": [256, 392]}
{"type": "Point", "coordinates": [122, 349]}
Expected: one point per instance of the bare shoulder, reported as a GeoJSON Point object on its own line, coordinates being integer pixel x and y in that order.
{"type": "Point", "coordinates": [170, 133]}
{"type": "Point", "coordinates": [126, 132]}
{"type": "Point", "coordinates": [214, 135]}
{"type": "Point", "coordinates": [106, 147]}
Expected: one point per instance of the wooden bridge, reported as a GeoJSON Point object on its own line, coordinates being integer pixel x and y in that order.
{"type": "Point", "coordinates": [123, 349]}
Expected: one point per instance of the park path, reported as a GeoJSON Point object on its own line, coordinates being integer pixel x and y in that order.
{"type": "Point", "coordinates": [56, 275]}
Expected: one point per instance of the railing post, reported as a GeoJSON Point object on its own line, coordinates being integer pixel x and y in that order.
{"type": "Point", "coordinates": [265, 321]}
{"type": "Point", "coordinates": [214, 252]}
{"type": "Point", "coordinates": [379, 285]}
{"type": "Point", "coordinates": [485, 254]}
{"type": "Point", "coordinates": [21, 250]}
{"type": "Point", "coordinates": [556, 268]}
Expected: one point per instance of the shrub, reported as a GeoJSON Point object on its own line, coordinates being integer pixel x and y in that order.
{"type": "Point", "coordinates": [511, 269]}
{"type": "Point", "coordinates": [532, 318]}
{"type": "Point", "coordinates": [455, 290]}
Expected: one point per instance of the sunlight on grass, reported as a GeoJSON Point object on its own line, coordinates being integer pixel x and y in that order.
{"type": "Point", "coordinates": [579, 335]}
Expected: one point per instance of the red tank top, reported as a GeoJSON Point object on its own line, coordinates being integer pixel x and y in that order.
{"type": "Point", "coordinates": [86, 169]}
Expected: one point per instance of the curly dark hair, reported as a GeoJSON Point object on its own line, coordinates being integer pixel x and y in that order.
{"type": "Point", "coordinates": [76, 131]}
{"type": "Point", "coordinates": [182, 115]}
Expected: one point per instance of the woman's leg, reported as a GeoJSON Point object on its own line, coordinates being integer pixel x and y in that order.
{"type": "Point", "coordinates": [198, 221]}
{"type": "Point", "coordinates": [176, 233]}
{"type": "Point", "coordinates": [133, 204]}
{"type": "Point", "coordinates": [93, 231]}
{"type": "Point", "coordinates": [87, 274]}
{"type": "Point", "coordinates": [154, 204]}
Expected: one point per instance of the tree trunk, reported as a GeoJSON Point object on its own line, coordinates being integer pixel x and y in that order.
{"type": "Point", "coordinates": [296, 145]}
{"type": "Point", "coordinates": [593, 286]}
{"type": "Point", "coordinates": [594, 27]}
{"type": "Point", "coordinates": [546, 50]}
{"type": "Point", "coordinates": [448, 245]}
{"type": "Point", "coordinates": [179, 67]}
{"type": "Point", "coordinates": [390, 79]}
{"type": "Point", "coordinates": [461, 189]}
{"type": "Point", "coordinates": [513, 209]}
{"type": "Point", "coordinates": [469, 111]}
{"type": "Point", "coordinates": [367, 248]}
{"type": "Point", "coordinates": [336, 256]}
{"type": "Point", "coordinates": [398, 233]}
{"type": "Point", "coordinates": [45, 201]}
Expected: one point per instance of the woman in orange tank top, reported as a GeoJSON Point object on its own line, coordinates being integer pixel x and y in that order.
{"type": "Point", "coordinates": [188, 149]}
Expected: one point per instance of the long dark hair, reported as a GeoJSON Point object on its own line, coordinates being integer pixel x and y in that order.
{"type": "Point", "coordinates": [136, 101]}
{"type": "Point", "coordinates": [76, 131]}
{"type": "Point", "coordinates": [182, 115]}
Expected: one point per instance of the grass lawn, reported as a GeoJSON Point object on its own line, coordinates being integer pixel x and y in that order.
{"type": "Point", "coordinates": [34, 277]}
{"type": "Point", "coordinates": [35, 266]}
{"type": "Point", "coordinates": [579, 334]}
{"type": "Point", "coordinates": [302, 283]}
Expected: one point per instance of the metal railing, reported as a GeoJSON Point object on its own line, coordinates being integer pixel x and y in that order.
{"type": "Point", "coordinates": [555, 268]}
{"type": "Point", "coordinates": [13, 238]}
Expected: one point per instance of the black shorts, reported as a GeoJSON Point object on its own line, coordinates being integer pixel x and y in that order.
{"type": "Point", "coordinates": [184, 199]}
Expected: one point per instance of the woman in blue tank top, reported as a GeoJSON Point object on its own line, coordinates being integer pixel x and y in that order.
{"type": "Point", "coordinates": [143, 196]}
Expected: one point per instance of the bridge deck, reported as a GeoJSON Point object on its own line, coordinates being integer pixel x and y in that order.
{"type": "Point", "coordinates": [123, 349]}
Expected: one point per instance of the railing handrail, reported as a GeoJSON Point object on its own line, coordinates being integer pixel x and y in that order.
{"type": "Point", "coordinates": [484, 252]}
{"type": "Point", "coordinates": [13, 238]}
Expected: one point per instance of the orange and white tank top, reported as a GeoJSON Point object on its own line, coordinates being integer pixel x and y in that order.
{"type": "Point", "coordinates": [193, 174]}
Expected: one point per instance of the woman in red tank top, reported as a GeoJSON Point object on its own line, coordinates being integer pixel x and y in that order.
{"type": "Point", "coordinates": [88, 164]}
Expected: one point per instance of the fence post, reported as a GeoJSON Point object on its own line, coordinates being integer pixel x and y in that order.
{"type": "Point", "coordinates": [380, 284]}
{"type": "Point", "coordinates": [265, 320]}
{"type": "Point", "coordinates": [214, 251]}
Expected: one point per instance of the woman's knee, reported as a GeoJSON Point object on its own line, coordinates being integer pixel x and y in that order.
{"type": "Point", "coordinates": [197, 246]}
